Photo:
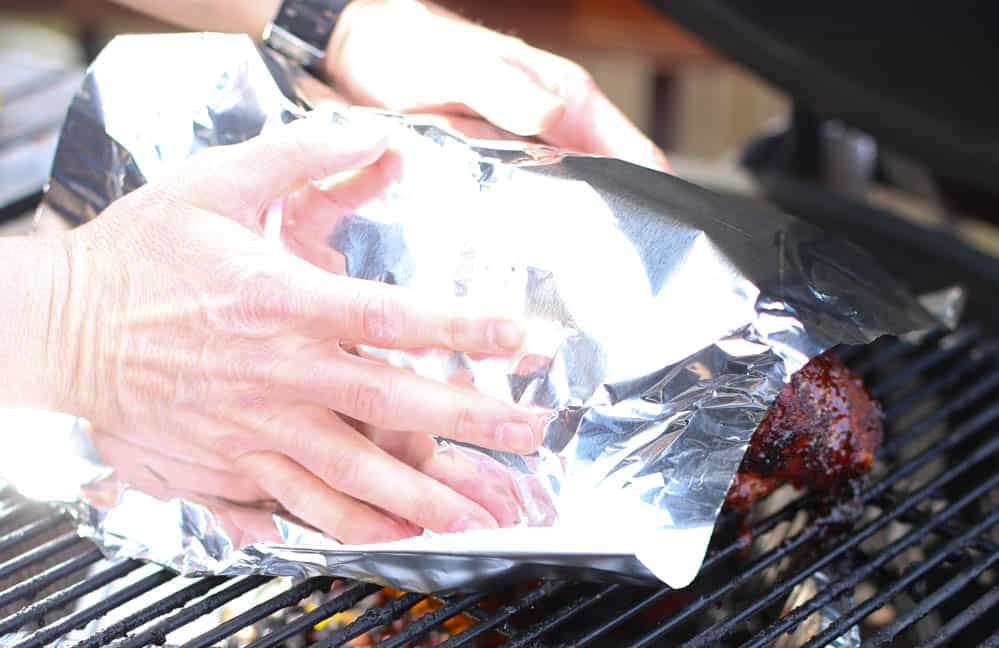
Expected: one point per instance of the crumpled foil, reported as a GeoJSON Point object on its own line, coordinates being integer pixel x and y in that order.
{"type": "Point", "coordinates": [663, 320]}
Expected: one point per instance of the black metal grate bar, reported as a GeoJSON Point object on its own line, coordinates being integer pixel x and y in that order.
{"type": "Point", "coordinates": [916, 516]}
{"type": "Point", "coordinates": [35, 584]}
{"type": "Point", "coordinates": [505, 613]}
{"type": "Point", "coordinates": [14, 511]}
{"type": "Point", "coordinates": [966, 367]}
{"type": "Point", "coordinates": [344, 601]}
{"type": "Point", "coordinates": [957, 436]}
{"type": "Point", "coordinates": [83, 617]}
{"type": "Point", "coordinates": [288, 598]}
{"type": "Point", "coordinates": [158, 633]}
{"type": "Point", "coordinates": [580, 604]}
{"type": "Point", "coordinates": [62, 598]}
{"type": "Point", "coordinates": [911, 575]}
{"type": "Point", "coordinates": [431, 620]}
{"type": "Point", "coordinates": [830, 592]}
{"type": "Point", "coordinates": [992, 642]}
{"type": "Point", "coordinates": [30, 530]}
{"type": "Point", "coordinates": [959, 622]}
{"type": "Point", "coordinates": [967, 340]}
{"type": "Point", "coordinates": [37, 554]}
{"type": "Point", "coordinates": [716, 558]}
{"type": "Point", "coordinates": [371, 619]}
{"type": "Point", "coordinates": [903, 373]}
{"type": "Point", "coordinates": [836, 589]}
{"type": "Point", "coordinates": [163, 606]}
{"type": "Point", "coordinates": [894, 349]}
{"type": "Point", "coordinates": [967, 397]}
{"type": "Point", "coordinates": [952, 587]}
{"type": "Point", "coordinates": [618, 621]}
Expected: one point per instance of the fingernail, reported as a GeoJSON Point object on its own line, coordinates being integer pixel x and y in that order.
{"type": "Point", "coordinates": [507, 335]}
{"type": "Point", "coordinates": [517, 437]}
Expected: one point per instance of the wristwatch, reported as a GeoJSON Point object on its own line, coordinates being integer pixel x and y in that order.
{"type": "Point", "coordinates": [301, 29]}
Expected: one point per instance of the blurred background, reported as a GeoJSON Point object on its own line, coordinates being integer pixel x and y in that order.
{"type": "Point", "coordinates": [668, 82]}
{"type": "Point", "coordinates": [695, 105]}
{"type": "Point", "coordinates": [708, 113]}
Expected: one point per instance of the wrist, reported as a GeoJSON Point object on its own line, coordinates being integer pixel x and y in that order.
{"type": "Point", "coordinates": [34, 288]}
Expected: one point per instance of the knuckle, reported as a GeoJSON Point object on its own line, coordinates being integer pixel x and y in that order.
{"type": "Point", "coordinates": [230, 447]}
{"type": "Point", "coordinates": [263, 299]}
{"type": "Point", "coordinates": [381, 319]}
{"type": "Point", "coordinates": [243, 489]}
{"type": "Point", "coordinates": [370, 401]}
{"type": "Point", "coordinates": [251, 398]}
{"type": "Point", "coordinates": [463, 421]}
{"type": "Point", "coordinates": [459, 329]}
{"type": "Point", "coordinates": [250, 367]}
{"type": "Point", "coordinates": [342, 471]}
{"type": "Point", "coordinates": [293, 496]}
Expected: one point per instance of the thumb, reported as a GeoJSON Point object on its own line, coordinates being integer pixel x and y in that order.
{"type": "Point", "coordinates": [241, 180]}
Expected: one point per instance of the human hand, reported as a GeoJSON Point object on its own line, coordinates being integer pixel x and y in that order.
{"type": "Point", "coordinates": [192, 336]}
{"type": "Point", "coordinates": [412, 56]}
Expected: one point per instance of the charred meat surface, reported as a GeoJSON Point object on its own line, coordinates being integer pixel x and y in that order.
{"type": "Point", "coordinates": [823, 429]}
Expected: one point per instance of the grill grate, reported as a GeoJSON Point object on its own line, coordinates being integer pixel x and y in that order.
{"type": "Point", "coordinates": [910, 560]}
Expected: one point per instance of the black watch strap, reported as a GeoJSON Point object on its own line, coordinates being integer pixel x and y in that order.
{"type": "Point", "coordinates": [301, 29]}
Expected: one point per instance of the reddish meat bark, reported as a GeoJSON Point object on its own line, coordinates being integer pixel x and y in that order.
{"type": "Point", "coordinates": [823, 429]}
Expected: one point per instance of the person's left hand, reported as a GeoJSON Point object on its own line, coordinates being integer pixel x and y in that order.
{"type": "Point", "coordinates": [412, 56]}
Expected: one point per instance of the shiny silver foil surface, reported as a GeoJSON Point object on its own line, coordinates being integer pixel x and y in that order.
{"type": "Point", "coordinates": [663, 320]}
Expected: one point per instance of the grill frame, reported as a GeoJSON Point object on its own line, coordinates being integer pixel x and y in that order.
{"type": "Point", "coordinates": [961, 368]}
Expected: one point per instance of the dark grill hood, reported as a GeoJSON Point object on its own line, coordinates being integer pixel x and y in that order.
{"type": "Point", "coordinates": [920, 77]}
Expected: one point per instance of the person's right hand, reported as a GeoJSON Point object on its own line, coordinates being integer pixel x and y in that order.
{"type": "Point", "coordinates": [191, 338]}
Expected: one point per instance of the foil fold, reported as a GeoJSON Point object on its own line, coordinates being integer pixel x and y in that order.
{"type": "Point", "coordinates": [662, 320]}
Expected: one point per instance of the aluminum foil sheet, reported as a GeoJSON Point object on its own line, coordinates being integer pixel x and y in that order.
{"type": "Point", "coordinates": [662, 320]}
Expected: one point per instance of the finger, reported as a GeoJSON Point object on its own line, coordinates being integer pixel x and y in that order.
{"type": "Point", "coordinates": [472, 474]}
{"type": "Point", "coordinates": [387, 397]}
{"type": "Point", "coordinates": [349, 463]}
{"type": "Point", "coordinates": [313, 501]}
{"type": "Point", "coordinates": [501, 93]}
{"type": "Point", "coordinates": [478, 478]}
{"type": "Point", "coordinates": [312, 214]}
{"type": "Point", "coordinates": [537, 504]}
{"type": "Point", "coordinates": [380, 315]}
{"type": "Point", "coordinates": [160, 475]}
{"type": "Point", "coordinates": [590, 123]}
{"type": "Point", "coordinates": [240, 180]}
{"type": "Point", "coordinates": [476, 128]}
{"type": "Point", "coordinates": [410, 448]}
{"type": "Point", "coordinates": [245, 525]}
